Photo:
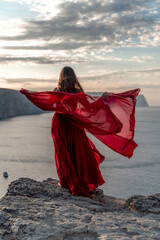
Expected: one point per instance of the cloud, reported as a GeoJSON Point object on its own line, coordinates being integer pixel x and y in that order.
{"type": "Point", "coordinates": [50, 46]}
{"type": "Point", "coordinates": [28, 80]}
{"type": "Point", "coordinates": [136, 59]}
{"type": "Point", "coordinates": [45, 8]}
{"type": "Point", "coordinates": [29, 83]}
{"type": "Point", "coordinates": [94, 35]}
{"type": "Point", "coordinates": [109, 78]}
{"type": "Point", "coordinates": [37, 60]}
{"type": "Point", "coordinates": [94, 24]}
{"type": "Point", "coordinates": [114, 74]}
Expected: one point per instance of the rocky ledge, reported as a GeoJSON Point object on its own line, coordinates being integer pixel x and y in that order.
{"type": "Point", "coordinates": [33, 210]}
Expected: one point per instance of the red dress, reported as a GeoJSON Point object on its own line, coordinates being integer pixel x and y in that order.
{"type": "Point", "coordinates": [76, 160]}
{"type": "Point", "coordinates": [111, 120]}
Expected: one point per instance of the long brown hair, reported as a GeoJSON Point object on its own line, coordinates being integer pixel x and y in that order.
{"type": "Point", "coordinates": [68, 81]}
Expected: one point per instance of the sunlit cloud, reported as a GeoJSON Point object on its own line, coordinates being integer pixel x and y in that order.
{"type": "Point", "coordinates": [106, 77]}
{"type": "Point", "coordinates": [37, 60]}
{"type": "Point", "coordinates": [102, 39]}
{"type": "Point", "coordinates": [12, 28]}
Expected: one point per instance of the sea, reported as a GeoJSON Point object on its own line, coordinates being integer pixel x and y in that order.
{"type": "Point", "coordinates": [26, 150]}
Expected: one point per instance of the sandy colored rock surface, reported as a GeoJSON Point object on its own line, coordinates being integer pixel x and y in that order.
{"type": "Point", "coordinates": [34, 210]}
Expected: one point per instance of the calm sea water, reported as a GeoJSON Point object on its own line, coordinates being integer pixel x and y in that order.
{"type": "Point", "coordinates": [26, 150]}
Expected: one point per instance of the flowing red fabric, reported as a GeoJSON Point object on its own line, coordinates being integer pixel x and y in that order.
{"type": "Point", "coordinates": [112, 121]}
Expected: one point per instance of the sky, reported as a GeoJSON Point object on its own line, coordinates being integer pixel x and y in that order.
{"type": "Point", "coordinates": [112, 45]}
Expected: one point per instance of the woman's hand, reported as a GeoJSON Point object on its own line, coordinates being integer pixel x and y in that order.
{"type": "Point", "coordinates": [105, 95]}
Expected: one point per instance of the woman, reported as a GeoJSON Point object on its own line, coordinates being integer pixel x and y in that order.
{"type": "Point", "coordinates": [75, 155]}
{"type": "Point", "coordinates": [110, 118]}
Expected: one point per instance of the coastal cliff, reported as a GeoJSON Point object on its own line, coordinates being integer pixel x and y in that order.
{"type": "Point", "coordinates": [13, 103]}
{"type": "Point", "coordinates": [141, 101]}
{"type": "Point", "coordinates": [33, 210]}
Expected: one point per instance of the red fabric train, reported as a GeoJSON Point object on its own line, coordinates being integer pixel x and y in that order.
{"type": "Point", "coordinates": [112, 121]}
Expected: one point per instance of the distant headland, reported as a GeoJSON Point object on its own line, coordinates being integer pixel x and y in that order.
{"type": "Point", "coordinates": [13, 103]}
{"type": "Point", "coordinates": [141, 101]}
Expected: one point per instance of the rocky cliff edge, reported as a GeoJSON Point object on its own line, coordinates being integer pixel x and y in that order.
{"type": "Point", "coordinates": [33, 210]}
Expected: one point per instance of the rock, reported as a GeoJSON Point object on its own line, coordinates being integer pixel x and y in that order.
{"type": "Point", "coordinates": [147, 204]}
{"type": "Point", "coordinates": [33, 210]}
{"type": "Point", "coordinates": [141, 101]}
{"type": "Point", "coordinates": [13, 103]}
{"type": "Point", "coordinates": [5, 175]}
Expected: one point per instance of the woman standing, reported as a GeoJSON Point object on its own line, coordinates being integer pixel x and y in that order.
{"type": "Point", "coordinates": [76, 157]}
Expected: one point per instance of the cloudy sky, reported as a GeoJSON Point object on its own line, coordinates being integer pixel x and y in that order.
{"type": "Point", "coordinates": [113, 45]}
